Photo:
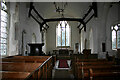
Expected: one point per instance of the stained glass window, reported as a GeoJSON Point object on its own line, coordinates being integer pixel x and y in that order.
{"type": "Point", "coordinates": [3, 29]}
{"type": "Point", "coordinates": [63, 34]}
{"type": "Point", "coordinates": [116, 36]}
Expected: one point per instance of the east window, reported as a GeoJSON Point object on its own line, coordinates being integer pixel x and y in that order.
{"type": "Point", "coordinates": [63, 34]}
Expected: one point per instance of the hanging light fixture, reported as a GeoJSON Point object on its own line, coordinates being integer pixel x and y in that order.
{"type": "Point", "coordinates": [60, 7]}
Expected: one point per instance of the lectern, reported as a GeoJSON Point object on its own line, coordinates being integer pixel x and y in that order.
{"type": "Point", "coordinates": [36, 49]}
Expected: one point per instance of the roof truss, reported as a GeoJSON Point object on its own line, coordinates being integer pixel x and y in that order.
{"type": "Point", "coordinates": [45, 21]}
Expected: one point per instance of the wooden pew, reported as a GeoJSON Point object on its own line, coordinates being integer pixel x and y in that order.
{"type": "Point", "coordinates": [54, 59]}
{"type": "Point", "coordinates": [81, 68]}
{"type": "Point", "coordinates": [14, 75]}
{"type": "Point", "coordinates": [31, 57]}
{"type": "Point", "coordinates": [28, 57]}
{"type": "Point", "coordinates": [48, 66]}
{"type": "Point", "coordinates": [83, 72]}
{"type": "Point", "coordinates": [89, 63]}
{"type": "Point", "coordinates": [75, 60]}
{"type": "Point", "coordinates": [110, 73]}
{"type": "Point", "coordinates": [91, 60]}
{"type": "Point", "coordinates": [94, 63]}
{"type": "Point", "coordinates": [24, 60]}
{"type": "Point", "coordinates": [20, 67]}
{"type": "Point", "coordinates": [33, 68]}
{"type": "Point", "coordinates": [45, 70]}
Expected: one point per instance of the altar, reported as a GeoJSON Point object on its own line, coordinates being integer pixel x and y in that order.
{"type": "Point", "coordinates": [63, 53]}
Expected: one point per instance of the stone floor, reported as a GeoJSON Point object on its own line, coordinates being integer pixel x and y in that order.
{"type": "Point", "coordinates": [62, 73]}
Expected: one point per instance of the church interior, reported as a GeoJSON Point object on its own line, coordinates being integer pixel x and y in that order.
{"type": "Point", "coordinates": [60, 40]}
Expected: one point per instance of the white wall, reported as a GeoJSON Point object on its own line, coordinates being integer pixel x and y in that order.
{"type": "Point", "coordinates": [112, 19]}
{"type": "Point", "coordinates": [23, 23]}
{"type": "Point", "coordinates": [101, 28]}
{"type": "Point", "coordinates": [13, 44]}
{"type": "Point", "coordinates": [51, 36]}
{"type": "Point", "coordinates": [29, 24]}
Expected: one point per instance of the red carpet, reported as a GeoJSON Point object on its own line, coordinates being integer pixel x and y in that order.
{"type": "Point", "coordinates": [63, 63]}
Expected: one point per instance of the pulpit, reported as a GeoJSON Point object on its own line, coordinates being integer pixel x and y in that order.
{"type": "Point", "coordinates": [36, 49]}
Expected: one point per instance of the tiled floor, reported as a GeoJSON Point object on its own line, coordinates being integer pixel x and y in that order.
{"type": "Point", "coordinates": [62, 73]}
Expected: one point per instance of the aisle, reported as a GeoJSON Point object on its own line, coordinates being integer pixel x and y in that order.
{"type": "Point", "coordinates": [62, 73]}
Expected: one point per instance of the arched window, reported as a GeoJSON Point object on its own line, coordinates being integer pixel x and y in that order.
{"type": "Point", "coordinates": [3, 30]}
{"type": "Point", "coordinates": [116, 36]}
{"type": "Point", "coordinates": [33, 38]}
{"type": "Point", "coordinates": [63, 34]}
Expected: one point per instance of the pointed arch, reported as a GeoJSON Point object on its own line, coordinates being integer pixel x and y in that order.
{"type": "Point", "coordinates": [33, 38]}
{"type": "Point", "coordinates": [63, 34]}
{"type": "Point", "coordinates": [115, 36]}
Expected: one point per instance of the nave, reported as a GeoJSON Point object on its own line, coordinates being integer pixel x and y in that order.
{"type": "Point", "coordinates": [48, 67]}
{"type": "Point", "coordinates": [60, 40]}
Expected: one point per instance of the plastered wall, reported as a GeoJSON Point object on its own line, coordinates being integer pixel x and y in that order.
{"type": "Point", "coordinates": [51, 36]}
{"type": "Point", "coordinates": [108, 15]}
{"type": "Point", "coordinates": [17, 26]}
{"type": "Point", "coordinates": [98, 30]}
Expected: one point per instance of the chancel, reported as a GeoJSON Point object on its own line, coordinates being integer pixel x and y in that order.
{"type": "Point", "coordinates": [60, 40]}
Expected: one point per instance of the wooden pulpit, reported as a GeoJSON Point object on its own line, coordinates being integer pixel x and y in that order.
{"type": "Point", "coordinates": [36, 49]}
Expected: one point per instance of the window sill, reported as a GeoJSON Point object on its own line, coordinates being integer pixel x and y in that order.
{"type": "Point", "coordinates": [116, 49]}
{"type": "Point", "coordinates": [3, 56]}
{"type": "Point", "coordinates": [63, 46]}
